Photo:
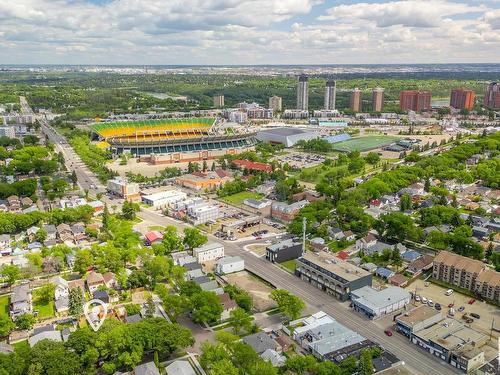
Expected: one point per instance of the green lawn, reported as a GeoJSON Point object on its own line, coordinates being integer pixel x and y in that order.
{"type": "Point", "coordinates": [4, 305]}
{"type": "Point", "coordinates": [44, 310]}
{"type": "Point", "coordinates": [290, 265]}
{"type": "Point", "coordinates": [364, 143]}
{"type": "Point", "coordinates": [21, 345]}
{"type": "Point", "coordinates": [238, 198]}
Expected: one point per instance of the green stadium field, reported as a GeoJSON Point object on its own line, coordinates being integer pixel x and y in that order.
{"type": "Point", "coordinates": [364, 143]}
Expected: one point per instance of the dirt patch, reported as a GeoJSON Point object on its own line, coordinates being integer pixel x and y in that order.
{"type": "Point", "coordinates": [257, 289]}
{"type": "Point", "coordinates": [260, 250]}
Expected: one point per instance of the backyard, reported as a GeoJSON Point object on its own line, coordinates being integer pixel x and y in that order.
{"type": "Point", "coordinates": [45, 309]}
{"type": "Point", "coordinates": [364, 143]}
{"type": "Point", "coordinates": [238, 198]}
{"type": "Point", "coordinates": [4, 305]}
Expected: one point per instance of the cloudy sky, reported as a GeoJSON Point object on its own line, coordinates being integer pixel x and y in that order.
{"type": "Point", "coordinates": [248, 31]}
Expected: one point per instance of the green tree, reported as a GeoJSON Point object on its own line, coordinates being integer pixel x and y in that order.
{"type": "Point", "coordinates": [193, 238]}
{"type": "Point", "coordinates": [41, 235]}
{"type": "Point", "coordinates": [25, 321]}
{"type": "Point", "coordinates": [45, 294]}
{"type": "Point", "coordinates": [373, 158]}
{"type": "Point", "coordinates": [171, 240]}
{"type": "Point", "coordinates": [6, 325]}
{"type": "Point", "coordinates": [365, 363]}
{"type": "Point", "coordinates": [53, 358]}
{"type": "Point", "coordinates": [327, 368]}
{"type": "Point", "coordinates": [157, 268]}
{"type": "Point", "coordinates": [291, 306]}
{"type": "Point", "coordinates": [175, 305]}
{"type": "Point", "coordinates": [11, 272]}
{"type": "Point", "coordinates": [299, 364]}
{"type": "Point", "coordinates": [129, 210]}
{"type": "Point", "coordinates": [405, 202]}
{"type": "Point", "coordinates": [76, 302]}
{"type": "Point", "coordinates": [83, 260]}
{"type": "Point", "coordinates": [240, 320]}
{"type": "Point", "coordinates": [205, 307]}
{"type": "Point", "coordinates": [223, 367]}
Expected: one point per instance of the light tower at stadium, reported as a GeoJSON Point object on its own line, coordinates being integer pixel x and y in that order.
{"type": "Point", "coordinates": [177, 140]}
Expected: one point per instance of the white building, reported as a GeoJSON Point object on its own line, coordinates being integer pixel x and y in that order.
{"type": "Point", "coordinates": [229, 265]}
{"type": "Point", "coordinates": [121, 187]}
{"type": "Point", "coordinates": [377, 303]}
{"type": "Point", "coordinates": [238, 116]}
{"type": "Point", "coordinates": [209, 251]}
{"type": "Point", "coordinates": [201, 214]}
{"type": "Point", "coordinates": [164, 199]}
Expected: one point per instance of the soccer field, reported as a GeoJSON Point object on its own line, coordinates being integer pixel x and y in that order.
{"type": "Point", "coordinates": [364, 143]}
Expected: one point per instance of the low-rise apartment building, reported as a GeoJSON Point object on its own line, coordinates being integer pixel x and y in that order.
{"type": "Point", "coordinates": [127, 190]}
{"type": "Point", "coordinates": [287, 212]}
{"type": "Point", "coordinates": [332, 275]}
{"type": "Point", "coordinates": [209, 251]}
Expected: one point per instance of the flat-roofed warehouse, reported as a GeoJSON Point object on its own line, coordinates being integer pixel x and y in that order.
{"type": "Point", "coordinates": [285, 136]}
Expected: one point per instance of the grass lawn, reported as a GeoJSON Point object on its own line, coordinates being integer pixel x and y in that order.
{"type": "Point", "coordinates": [315, 174]}
{"type": "Point", "coordinates": [238, 198]}
{"type": "Point", "coordinates": [290, 265]}
{"type": "Point", "coordinates": [364, 143]}
{"type": "Point", "coordinates": [4, 305]}
{"type": "Point", "coordinates": [21, 345]}
{"type": "Point", "coordinates": [157, 227]}
{"type": "Point", "coordinates": [45, 310]}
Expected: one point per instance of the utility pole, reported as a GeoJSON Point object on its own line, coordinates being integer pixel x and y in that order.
{"type": "Point", "coordinates": [304, 226]}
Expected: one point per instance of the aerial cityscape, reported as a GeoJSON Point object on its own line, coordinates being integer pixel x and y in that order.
{"type": "Point", "coordinates": [249, 188]}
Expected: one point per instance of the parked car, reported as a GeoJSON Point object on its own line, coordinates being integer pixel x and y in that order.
{"type": "Point", "coordinates": [417, 298]}
{"type": "Point", "coordinates": [471, 301]}
{"type": "Point", "coordinates": [461, 308]}
{"type": "Point", "coordinates": [430, 303]}
{"type": "Point", "coordinates": [388, 332]}
{"type": "Point", "coordinates": [437, 306]}
{"type": "Point", "coordinates": [424, 300]}
{"type": "Point", "coordinates": [451, 305]}
{"type": "Point", "coordinates": [474, 315]}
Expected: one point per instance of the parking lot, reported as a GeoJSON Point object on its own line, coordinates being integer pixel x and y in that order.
{"type": "Point", "coordinates": [488, 313]}
{"type": "Point", "coordinates": [300, 160]}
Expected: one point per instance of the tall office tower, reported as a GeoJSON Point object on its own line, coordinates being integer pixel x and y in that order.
{"type": "Point", "coordinates": [377, 99]}
{"type": "Point", "coordinates": [492, 96]}
{"type": "Point", "coordinates": [330, 94]}
{"type": "Point", "coordinates": [462, 98]}
{"type": "Point", "coordinates": [219, 101]}
{"type": "Point", "coordinates": [414, 100]}
{"type": "Point", "coordinates": [276, 103]}
{"type": "Point", "coordinates": [303, 93]}
{"type": "Point", "coordinates": [356, 100]}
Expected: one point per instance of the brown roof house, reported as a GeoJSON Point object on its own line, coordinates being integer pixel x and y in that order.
{"type": "Point", "coordinates": [228, 305]}
{"type": "Point", "coordinates": [421, 264]}
{"type": "Point", "coordinates": [94, 281]}
{"type": "Point", "coordinates": [110, 280]}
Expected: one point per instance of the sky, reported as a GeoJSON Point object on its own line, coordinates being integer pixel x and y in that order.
{"type": "Point", "coordinates": [225, 32]}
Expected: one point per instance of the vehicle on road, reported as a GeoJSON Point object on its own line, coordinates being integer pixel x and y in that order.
{"type": "Point", "coordinates": [461, 308]}
{"type": "Point", "coordinates": [474, 315]}
{"type": "Point", "coordinates": [449, 292]}
{"type": "Point", "coordinates": [388, 332]}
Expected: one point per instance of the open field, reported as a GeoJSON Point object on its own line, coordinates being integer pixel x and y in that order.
{"type": "Point", "coordinates": [257, 289]}
{"type": "Point", "coordinates": [238, 198]}
{"type": "Point", "coordinates": [364, 143]}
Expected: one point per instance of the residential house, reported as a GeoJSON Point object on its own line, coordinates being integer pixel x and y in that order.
{"type": "Point", "coordinates": [94, 281]}
{"type": "Point", "coordinates": [78, 232]}
{"type": "Point", "coordinates": [20, 300]}
{"type": "Point", "coordinates": [4, 241]}
{"type": "Point", "coordinates": [349, 235]}
{"type": "Point", "coordinates": [410, 255]}
{"type": "Point", "coordinates": [153, 237]}
{"type": "Point", "coordinates": [179, 367]}
{"type": "Point", "coordinates": [110, 280]}
{"type": "Point", "coordinates": [77, 284]}
{"type": "Point", "coordinates": [420, 264]}
{"type": "Point", "coordinates": [260, 342]}
{"type": "Point", "coordinates": [335, 233]}
{"type": "Point", "coordinates": [46, 333]}
{"type": "Point", "coordinates": [148, 368]}
{"type": "Point", "coordinates": [365, 242]}
{"type": "Point", "coordinates": [228, 265]}
{"type": "Point", "coordinates": [398, 280]}
{"type": "Point", "coordinates": [64, 232]}
{"type": "Point", "coordinates": [61, 287]}
{"type": "Point", "coordinates": [228, 305]}
{"type": "Point", "coordinates": [209, 251]}
{"type": "Point", "coordinates": [384, 273]}
{"type": "Point", "coordinates": [31, 232]}
{"type": "Point", "coordinates": [276, 359]}
{"type": "Point", "coordinates": [51, 231]}
{"type": "Point", "coordinates": [26, 201]}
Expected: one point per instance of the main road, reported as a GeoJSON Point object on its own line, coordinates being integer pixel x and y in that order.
{"type": "Point", "coordinates": [420, 361]}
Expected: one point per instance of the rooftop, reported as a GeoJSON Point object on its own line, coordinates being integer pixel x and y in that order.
{"type": "Point", "coordinates": [460, 262]}
{"type": "Point", "coordinates": [331, 263]}
{"type": "Point", "coordinates": [283, 245]}
{"type": "Point", "coordinates": [375, 299]}
{"type": "Point", "coordinates": [417, 315]}
{"type": "Point", "coordinates": [283, 131]}
{"type": "Point", "coordinates": [207, 247]}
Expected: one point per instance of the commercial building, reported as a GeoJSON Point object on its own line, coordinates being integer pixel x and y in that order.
{"type": "Point", "coordinates": [202, 180]}
{"type": "Point", "coordinates": [229, 265]}
{"type": "Point", "coordinates": [332, 275]}
{"type": "Point", "coordinates": [325, 338]}
{"type": "Point", "coordinates": [218, 101]}
{"type": "Point", "coordinates": [202, 212]}
{"type": "Point", "coordinates": [492, 96]}
{"type": "Point", "coordinates": [468, 274]}
{"type": "Point", "coordinates": [237, 116]}
{"type": "Point", "coordinates": [276, 103]}
{"type": "Point", "coordinates": [252, 166]}
{"type": "Point", "coordinates": [415, 100]}
{"type": "Point", "coordinates": [303, 93]}
{"type": "Point", "coordinates": [462, 98]}
{"type": "Point", "coordinates": [377, 99]}
{"type": "Point", "coordinates": [377, 303]}
{"type": "Point", "coordinates": [285, 250]}
{"type": "Point", "coordinates": [417, 319]}
{"type": "Point", "coordinates": [356, 100]}
{"type": "Point", "coordinates": [285, 136]}
{"type": "Point", "coordinates": [209, 251]}
{"type": "Point", "coordinates": [124, 189]}
{"type": "Point", "coordinates": [164, 199]}
{"type": "Point", "coordinates": [295, 114]}
{"type": "Point", "coordinates": [330, 94]}
{"type": "Point", "coordinates": [286, 212]}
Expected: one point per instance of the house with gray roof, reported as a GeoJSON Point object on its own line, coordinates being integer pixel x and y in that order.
{"type": "Point", "coordinates": [20, 300]}
{"type": "Point", "coordinates": [260, 342]}
{"type": "Point", "coordinates": [53, 335]}
{"type": "Point", "coordinates": [180, 367]}
{"type": "Point", "coordinates": [148, 368]}
{"type": "Point", "coordinates": [276, 359]}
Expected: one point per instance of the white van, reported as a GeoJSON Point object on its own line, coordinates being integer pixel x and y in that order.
{"type": "Point", "coordinates": [449, 292]}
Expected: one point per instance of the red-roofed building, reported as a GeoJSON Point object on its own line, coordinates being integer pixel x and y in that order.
{"type": "Point", "coordinates": [153, 237]}
{"type": "Point", "coordinates": [252, 166]}
{"type": "Point", "coordinates": [342, 255]}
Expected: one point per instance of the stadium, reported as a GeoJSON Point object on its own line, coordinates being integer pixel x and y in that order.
{"type": "Point", "coordinates": [172, 140]}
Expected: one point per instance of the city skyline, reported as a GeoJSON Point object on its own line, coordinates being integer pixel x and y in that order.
{"type": "Point", "coordinates": [220, 33]}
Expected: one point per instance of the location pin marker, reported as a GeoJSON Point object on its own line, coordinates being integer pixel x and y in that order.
{"type": "Point", "coordinates": [95, 311]}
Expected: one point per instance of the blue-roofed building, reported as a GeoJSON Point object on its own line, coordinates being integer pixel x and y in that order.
{"type": "Point", "coordinates": [410, 255]}
{"type": "Point", "coordinates": [384, 272]}
{"type": "Point", "coordinates": [338, 138]}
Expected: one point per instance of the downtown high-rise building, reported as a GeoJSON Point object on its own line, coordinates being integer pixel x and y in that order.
{"type": "Point", "coordinates": [303, 93]}
{"type": "Point", "coordinates": [377, 99]}
{"type": "Point", "coordinates": [462, 99]}
{"type": "Point", "coordinates": [492, 96]}
{"type": "Point", "coordinates": [330, 94]}
{"type": "Point", "coordinates": [276, 103]}
{"type": "Point", "coordinates": [415, 100]}
{"type": "Point", "coordinates": [356, 100]}
{"type": "Point", "coordinates": [219, 101]}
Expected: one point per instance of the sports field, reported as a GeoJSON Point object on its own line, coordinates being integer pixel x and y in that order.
{"type": "Point", "coordinates": [364, 143]}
